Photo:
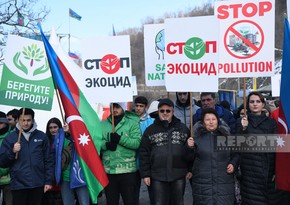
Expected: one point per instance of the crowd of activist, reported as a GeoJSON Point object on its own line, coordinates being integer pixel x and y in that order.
{"type": "Point", "coordinates": [163, 144]}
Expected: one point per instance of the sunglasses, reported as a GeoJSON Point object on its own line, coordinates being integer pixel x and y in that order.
{"type": "Point", "coordinates": [167, 111]}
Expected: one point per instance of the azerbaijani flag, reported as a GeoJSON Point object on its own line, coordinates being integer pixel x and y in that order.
{"type": "Point", "coordinates": [283, 159]}
{"type": "Point", "coordinates": [74, 15]}
{"type": "Point", "coordinates": [83, 122]}
{"type": "Point", "coordinates": [20, 19]}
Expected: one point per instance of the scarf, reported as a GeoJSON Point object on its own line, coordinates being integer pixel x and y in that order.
{"type": "Point", "coordinates": [76, 174]}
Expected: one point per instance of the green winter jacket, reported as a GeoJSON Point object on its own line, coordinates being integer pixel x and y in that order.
{"type": "Point", "coordinates": [4, 172]}
{"type": "Point", "coordinates": [123, 160]}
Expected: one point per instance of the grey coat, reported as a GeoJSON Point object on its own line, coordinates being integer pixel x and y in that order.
{"type": "Point", "coordinates": [183, 112]}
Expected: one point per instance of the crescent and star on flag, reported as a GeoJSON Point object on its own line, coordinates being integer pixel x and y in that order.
{"type": "Point", "coordinates": [84, 138]}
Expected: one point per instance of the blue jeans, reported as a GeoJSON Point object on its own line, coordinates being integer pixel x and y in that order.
{"type": "Point", "coordinates": [68, 194]}
{"type": "Point", "coordinates": [169, 193]}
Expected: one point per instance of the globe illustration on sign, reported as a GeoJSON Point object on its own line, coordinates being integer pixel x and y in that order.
{"type": "Point", "coordinates": [160, 44]}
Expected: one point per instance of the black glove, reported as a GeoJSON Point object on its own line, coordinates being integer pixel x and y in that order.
{"type": "Point", "coordinates": [111, 146]}
{"type": "Point", "coordinates": [115, 137]}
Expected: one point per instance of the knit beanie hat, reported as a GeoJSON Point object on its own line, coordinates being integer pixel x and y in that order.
{"type": "Point", "coordinates": [123, 105]}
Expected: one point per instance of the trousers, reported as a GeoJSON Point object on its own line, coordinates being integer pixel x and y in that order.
{"type": "Point", "coordinates": [169, 193]}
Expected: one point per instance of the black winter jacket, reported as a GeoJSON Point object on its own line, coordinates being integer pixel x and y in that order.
{"type": "Point", "coordinates": [258, 169]}
{"type": "Point", "coordinates": [34, 167]}
{"type": "Point", "coordinates": [163, 153]}
{"type": "Point", "coordinates": [211, 184]}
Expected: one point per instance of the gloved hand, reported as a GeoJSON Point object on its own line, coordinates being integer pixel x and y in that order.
{"type": "Point", "coordinates": [115, 137]}
{"type": "Point", "coordinates": [111, 146]}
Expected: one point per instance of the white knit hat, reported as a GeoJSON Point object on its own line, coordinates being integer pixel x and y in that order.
{"type": "Point", "coordinates": [153, 107]}
{"type": "Point", "coordinates": [122, 104]}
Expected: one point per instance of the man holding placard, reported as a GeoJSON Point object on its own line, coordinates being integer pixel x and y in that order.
{"type": "Point", "coordinates": [31, 170]}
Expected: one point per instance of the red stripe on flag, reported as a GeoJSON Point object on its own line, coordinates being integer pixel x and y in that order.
{"type": "Point", "coordinates": [86, 151]}
{"type": "Point", "coordinates": [282, 159]}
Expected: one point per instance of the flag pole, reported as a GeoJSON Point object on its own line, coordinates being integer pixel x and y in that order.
{"type": "Point", "coordinates": [20, 130]}
{"type": "Point", "coordinates": [191, 130]}
{"type": "Point", "coordinates": [113, 120]}
{"type": "Point", "coordinates": [59, 104]}
{"type": "Point", "coordinates": [244, 91]}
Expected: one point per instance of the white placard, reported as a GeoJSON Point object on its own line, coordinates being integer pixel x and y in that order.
{"type": "Point", "coordinates": [246, 38]}
{"type": "Point", "coordinates": [191, 56]}
{"type": "Point", "coordinates": [107, 69]}
{"type": "Point", "coordinates": [154, 52]}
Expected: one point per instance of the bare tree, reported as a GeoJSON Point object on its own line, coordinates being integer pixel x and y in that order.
{"type": "Point", "coordinates": [11, 11]}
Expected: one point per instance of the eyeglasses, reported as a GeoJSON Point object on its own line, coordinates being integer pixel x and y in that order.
{"type": "Point", "coordinates": [167, 111]}
{"type": "Point", "coordinates": [53, 127]}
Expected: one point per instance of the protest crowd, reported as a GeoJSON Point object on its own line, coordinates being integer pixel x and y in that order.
{"type": "Point", "coordinates": [153, 144]}
{"type": "Point", "coordinates": [220, 154]}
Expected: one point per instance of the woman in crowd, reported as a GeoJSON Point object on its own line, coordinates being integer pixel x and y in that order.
{"type": "Point", "coordinates": [53, 196]}
{"type": "Point", "coordinates": [257, 169]}
{"type": "Point", "coordinates": [212, 173]}
{"type": "Point", "coordinates": [68, 171]}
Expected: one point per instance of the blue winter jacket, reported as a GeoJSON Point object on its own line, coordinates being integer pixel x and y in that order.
{"type": "Point", "coordinates": [34, 166]}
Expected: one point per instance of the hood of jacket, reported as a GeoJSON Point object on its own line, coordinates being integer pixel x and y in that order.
{"type": "Point", "coordinates": [222, 129]}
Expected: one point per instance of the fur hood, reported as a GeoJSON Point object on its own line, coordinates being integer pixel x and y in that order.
{"type": "Point", "coordinates": [222, 129]}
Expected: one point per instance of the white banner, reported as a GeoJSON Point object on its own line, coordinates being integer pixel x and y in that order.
{"type": "Point", "coordinates": [107, 69]}
{"type": "Point", "coordinates": [154, 51]}
{"type": "Point", "coordinates": [246, 38]}
{"type": "Point", "coordinates": [191, 56]}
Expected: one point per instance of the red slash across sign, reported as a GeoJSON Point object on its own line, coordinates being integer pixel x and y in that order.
{"type": "Point", "coordinates": [243, 45]}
